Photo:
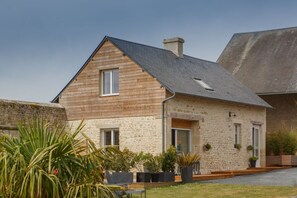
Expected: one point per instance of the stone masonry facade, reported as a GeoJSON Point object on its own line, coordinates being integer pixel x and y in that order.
{"type": "Point", "coordinates": [135, 133]}
{"type": "Point", "coordinates": [13, 112]}
{"type": "Point", "coordinates": [216, 127]}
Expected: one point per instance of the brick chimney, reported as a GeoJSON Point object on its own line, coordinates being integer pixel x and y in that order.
{"type": "Point", "coordinates": [175, 45]}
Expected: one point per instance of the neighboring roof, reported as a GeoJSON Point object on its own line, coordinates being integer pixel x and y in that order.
{"type": "Point", "coordinates": [264, 61]}
{"type": "Point", "coordinates": [177, 74]}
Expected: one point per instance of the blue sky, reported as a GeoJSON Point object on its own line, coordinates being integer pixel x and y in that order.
{"type": "Point", "coordinates": [44, 43]}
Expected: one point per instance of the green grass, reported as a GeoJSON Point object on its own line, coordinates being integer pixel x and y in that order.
{"type": "Point", "coordinates": [221, 190]}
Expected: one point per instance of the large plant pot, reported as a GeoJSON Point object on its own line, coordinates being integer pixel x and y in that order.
{"type": "Point", "coordinates": [281, 160]}
{"type": "Point", "coordinates": [143, 177]}
{"type": "Point", "coordinates": [119, 178]}
{"type": "Point", "coordinates": [187, 174]}
{"type": "Point", "coordinates": [253, 163]}
{"type": "Point", "coordinates": [155, 177]}
{"type": "Point", "coordinates": [167, 177]}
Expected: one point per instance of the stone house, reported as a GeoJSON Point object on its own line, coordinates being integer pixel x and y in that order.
{"type": "Point", "coordinates": [266, 62]}
{"type": "Point", "coordinates": [146, 99]}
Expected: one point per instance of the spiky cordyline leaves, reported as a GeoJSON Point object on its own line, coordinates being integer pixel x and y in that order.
{"type": "Point", "coordinates": [50, 162]}
{"type": "Point", "coordinates": [188, 159]}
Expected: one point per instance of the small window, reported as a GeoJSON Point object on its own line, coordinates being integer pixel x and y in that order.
{"type": "Point", "coordinates": [237, 129]}
{"type": "Point", "coordinates": [110, 82]}
{"type": "Point", "coordinates": [203, 84]}
{"type": "Point", "coordinates": [110, 137]}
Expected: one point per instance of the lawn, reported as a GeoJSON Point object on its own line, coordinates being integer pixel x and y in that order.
{"type": "Point", "coordinates": [221, 190]}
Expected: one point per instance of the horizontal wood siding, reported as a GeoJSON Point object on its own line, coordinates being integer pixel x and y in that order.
{"type": "Point", "coordinates": [139, 93]}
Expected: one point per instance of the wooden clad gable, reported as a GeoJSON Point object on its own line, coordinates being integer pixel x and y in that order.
{"type": "Point", "coordinates": [139, 93]}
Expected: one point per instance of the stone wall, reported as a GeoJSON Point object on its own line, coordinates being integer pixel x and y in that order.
{"type": "Point", "coordinates": [284, 112]}
{"type": "Point", "coordinates": [212, 124]}
{"type": "Point", "coordinates": [135, 133]}
{"type": "Point", "coordinates": [14, 112]}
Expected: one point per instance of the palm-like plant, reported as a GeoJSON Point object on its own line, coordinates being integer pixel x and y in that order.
{"type": "Point", "coordinates": [51, 162]}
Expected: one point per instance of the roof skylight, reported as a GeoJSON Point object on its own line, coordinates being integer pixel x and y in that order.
{"type": "Point", "coordinates": [203, 84]}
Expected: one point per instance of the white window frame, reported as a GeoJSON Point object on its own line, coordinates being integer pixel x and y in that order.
{"type": "Point", "coordinates": [111, 82]}
{"type": "Point", "coordinates": [103, 141]}
{"type": "Point", "coordinates": [190, 137]}
{"type": "Point", "coordinates": [237, 129]}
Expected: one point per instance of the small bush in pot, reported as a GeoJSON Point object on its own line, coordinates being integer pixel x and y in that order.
{"type": "Point", "coordinates": [185, 162]}
{"type": "Point", "coordinates": [168, 161]}
{"type": "Point", "coordinates": [249, 148]}
{"type": "Point", "coordinates": [153, 165]}
{"type": "Point", "coordinates": [253, 161]}
{"type": "Point", "coordinates": [119, 166]}
{"type": "Point", "coordinates": [237, 146]}
{"type": "Point", "coordinates": [142, 175]}
{"type": "Point", "coordinates": [206, 147]}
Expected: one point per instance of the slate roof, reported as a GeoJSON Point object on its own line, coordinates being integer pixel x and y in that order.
{"type": "Point", "coordinates": [264, 61]}
{"type": "Point", "coordinates": [177, 74]}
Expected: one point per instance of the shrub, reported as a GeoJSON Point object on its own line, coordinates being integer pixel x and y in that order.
{"type": "Point", "coordinates": [121, 161]}
{"type": "Point", "coordinates": [153, 163]}
{"type": "Point", "coordinates": [169, 159]}
{"type": "Point", "coordinates": [206, 147]}
{"type": "Point", "coordinates": [281, 143]}
{"type": "Point", "coordinates": [249, 148]}
{"type": "Point", "coordinates": [237, 146]}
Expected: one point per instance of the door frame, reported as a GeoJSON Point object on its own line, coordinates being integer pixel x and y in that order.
{"type": "Point", "coordinates": [190, 136]}
{"type": "Point", "coordinates": [258, 127]}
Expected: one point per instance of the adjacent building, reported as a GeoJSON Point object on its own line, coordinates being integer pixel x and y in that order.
{"type": "Point", "coordinates": [266, 62]}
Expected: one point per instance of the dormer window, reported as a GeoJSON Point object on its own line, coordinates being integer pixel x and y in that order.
{"type": "Point", "coordinates": [110, 82]}
{"type": "Point", "coordinates": [203, 84]}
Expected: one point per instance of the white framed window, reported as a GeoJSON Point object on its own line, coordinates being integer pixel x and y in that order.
{"type": "Point", "coordinates": [237, 134]}
{"type": "Point", "coordinates": [110, 82]}
{"type": "Point", "coordinates": [110, 137]}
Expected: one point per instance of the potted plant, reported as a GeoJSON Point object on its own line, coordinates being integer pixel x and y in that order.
{"type": "Point", "coordinates": [206, 147]}
{"type": "Point", "coordinates": [253, 161]}
{"type": "Point", "coordinates": [249, 148]}
{"type": "Point", "coordinates": [118, 167]}
{"type": "Point", "coordinates": [169, 159]}
{"type": "Point", "coordinates": [153, 165]}
{"type": "Point", "coordinates": [142, 175]}
{"type": "Point", "coordinates": [185, 162]}
{"type": "Point", "coordinates": [237, 146]}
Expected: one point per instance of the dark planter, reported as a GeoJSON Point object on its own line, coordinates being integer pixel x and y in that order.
{"type": "Point", "coordinates": [155, 177]}
{"type": "Point", "coordinates": [119, 177]}
{"type": "Point", "coordinates": [187, 174]}
{"type": "Point", "coordinates": [143, 177]}
{"type": "Point", "coordinates": [253, 163]}
{"type": "Point", "coordinates": [167, 177]}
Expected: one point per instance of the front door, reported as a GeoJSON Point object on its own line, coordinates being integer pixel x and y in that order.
{"type": "Point", "coordinates": [181, 140]}
{"type": "Point", "coordinates": [256, 143]}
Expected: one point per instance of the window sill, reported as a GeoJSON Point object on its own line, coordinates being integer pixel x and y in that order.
{"type": "Point", "coordinates": [106, 95]}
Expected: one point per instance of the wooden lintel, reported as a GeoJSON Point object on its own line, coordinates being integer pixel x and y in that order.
{"type": "Point", "coordinates": [186, 116]}
{"type": "Point", "coordinates": [6, 127]}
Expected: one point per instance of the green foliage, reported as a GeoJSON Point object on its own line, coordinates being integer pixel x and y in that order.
{"type": "Point", "coordinates": [249, 148]}
{"type": "Point", "coordinates": [153, 163]}
{"type": "Point", "coordinates": [253, 158]}
{"type": "Point", "coordinates": [121, 161]}
{"type": "Point", "coordinates": [206, 147]}
{"type": "Point", "coordinates": [51, 162]}
{"type": "Point", "coordinates": [188, 159]}
{"type": "Point", "coordinates": [140, 159]}
{"type": "Point", "coordinates": [281, 143]}
{"type": "Point", "coordinates": [237, 146]}
{"type": "Point", "coordinates": [169, 159]}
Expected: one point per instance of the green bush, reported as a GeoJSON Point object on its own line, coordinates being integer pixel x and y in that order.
{"type": "Point", "coordinates": [281, 143]}
{"type": "Point", "coordinates": [153, 163]}
{"type": "Point", "coordinates": [169, 159]}
{"type": "Point", "coordinates": [121, 161]}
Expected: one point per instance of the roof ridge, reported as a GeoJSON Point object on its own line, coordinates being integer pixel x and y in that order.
{"type": "Point", "coordinates": [268, 30]}
{"type": "Point", "coordinates": [139, 44]}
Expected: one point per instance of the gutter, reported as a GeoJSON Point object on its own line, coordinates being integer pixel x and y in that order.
{"type": "Point", "coordinates": [163, 119]}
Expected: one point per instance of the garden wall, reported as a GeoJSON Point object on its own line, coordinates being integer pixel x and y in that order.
{"type": "Point", "coordinates": [13, 112]}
